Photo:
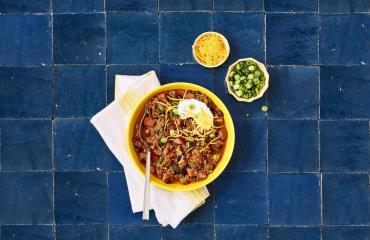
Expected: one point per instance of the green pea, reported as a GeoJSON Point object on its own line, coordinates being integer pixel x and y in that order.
{"type": "Point", "coordinates": [163, 140]}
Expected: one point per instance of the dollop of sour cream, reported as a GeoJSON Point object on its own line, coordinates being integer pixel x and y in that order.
{"type": "Point", "coordinates": [198, 110]}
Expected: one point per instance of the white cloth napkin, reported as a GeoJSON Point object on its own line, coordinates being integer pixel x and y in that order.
{"type": "Point", "coordinates": [170, 207]}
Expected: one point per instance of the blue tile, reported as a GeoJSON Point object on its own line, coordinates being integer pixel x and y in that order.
{"type": "Point", "coordinates": [241, 191]}
{"type": "Point", "coordinates": [236, 109]}
{"type": "Point", "coordinates": [185, 5]}
{"type": "Point", "coordinates": [189, 232]}
{"type": "Point", "coordinates": [132, 38]}
{"type": "Point", "coordinates": [25, 92]}
{"type": "Point", "coordinates": [119, 206]}
{"type": "Point", "coordinates": [343, 94]}
{"type": "Point", "coordinates": [25, 145]}
{"type": "Point", "coordinates": [294, 199]}
{"type": "Point", "coordinates": [293, 146]}
{"type": "Point", "coordinates": [250, 145]}
{"type": "Point", "coordinates": [286, 97]}
{"type": "Point", "coordinates": [80, 91]}
{"type": "Point", "coordinates": [346, 233]}
{"type": "Point", "coordinates": [131, 5]}
{"type": "Point", "coordinates": [113, 70]}
{"type": "Point", "coordinates": [294, 233]}
{"type": "Point", "coordinates": [344, 146]}
{"type": "Point", "coordinates": [238, 5]}
{"type": "Point", "coordinates": [27, 40]}
{"type": "Point", "coordinates": [292, 39]}
{"type": "Point", "coordinates": [178, 32]}
{"type": "Point", "coordinates": [24, 6]}
{"type": "Point", "coordinates": [246, 38]}
{"type": "Point", "coordinates": [346, 199]}
{"type": "Point", "coordinates": [71, 138]}
{"type": "Point", "coordinates": [205, 213]}
{"type": "Point", "coordinates": [118, 232]}
{"type": "Point", "coordinates": [79, 38]}
{"type": "Point", "coordinates": [77, 6]}
{"type": "Point", "coordinates": [340, 46]}
{"type": "Point", "coordinates": [27, 232]}
{"type": "Point", "coordinates": [291, 6]}
{"type": "Point", "coordinates": [82, 232]}
{"type": "Point", "coordinates": [344, 6]}
{"type": "Point", "coordinates": [227, 232]}
{"type": "Point", "coordinates": [26, 198]}
{"type": "Point", "coordinates": [192, 73]}
{"type": "Point", "coordinates": [80, 197]}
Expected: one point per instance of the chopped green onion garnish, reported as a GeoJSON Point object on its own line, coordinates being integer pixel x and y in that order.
{"type": "Point", "coordinates": [264, 108]}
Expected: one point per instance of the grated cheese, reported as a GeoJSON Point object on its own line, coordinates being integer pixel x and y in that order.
{"type": "Point", "coordinates": [210, 49]}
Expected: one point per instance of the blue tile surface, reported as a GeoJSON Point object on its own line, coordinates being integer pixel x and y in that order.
{"type": "Point", "coordinates": [346, 199]}
{"type": "Point", "coordinates": [250, 137]}
{"type": "Point", "coordinates": [293, 145]}
{"type": "Point", "coordinates": [25, 145]}
{"type": "Point", "coordinates": [185, 73]}
{"type": "Point", "coordinates": [119, 206]}
{"type": "Point", "coordinates": [238, 5]}
{"type": "Point", "coordinates": [177, 33]}
{"type": "Point", "coordinates": [132, 38]}
{"type": "Point", "coordinates": [131, 5]}
{"type": "Point", "coordinates": [185, 5]}
{"type": "Point", "coordinates": [232, 232]}
{"type": "Point", "coordinates": [82, 232]}
{"type": "Point", "coordinates": [24, 6]}
{"type": "Point", "coordinates": [294, 233]}
{"type": "Point", "coordinates": [113, 70]}
{"type": "Point", "coordinates": [236, 109]}
{"type": "Point", "coordinates": [26, 198]}
{"type": "Point", "coordinates": [118, 232]}
{"type": "Point", "coordinates": [341, 98]}
{"type": "Point", "coordinates": [293, 92]}
{"type": "Point", "coordinates": [352, 48]}
{"type": "Point", "coordinates": [71, 136]}
{"type": "Point", "coordinates": [346, 233]}
{"type": "Point", "coordinates": [294, 199]}
{"type": "Point", "coordinates": [80, 91]}
{"type": "Point", "coordinates": [80, 197]}
{"type": "Point", "coordinates": [27, 232]}
{"type": "Point", "coordinates": [245, 191]}
{"type": "Point", "coordinates": [76, 6]}
{"type": "Point", "coordinates": [79, 38]}
{"type": "Point", "coordinates": [25, 92]}
{"type": "Point", "coordinates": [344, 146]}
{"type": "Point", "coordinates": [291, 6]}
{"type": "Point", "coordinates": [244, 32]}
{"type": "Point", "coordinates": [27, 40]}
{"type": "Point", "coordinates": [203, 232]}
{"type": "Point", "coordinates": [292, 39]}
{"type": "Point", "coordinates": [298, 171]}
{"type": "Point", "coordinates": [344, 6]}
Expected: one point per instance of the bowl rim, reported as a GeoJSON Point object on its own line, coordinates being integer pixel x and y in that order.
{"type": "Point", "coordinates": [177, 187]}
{"type": "Point", "coordinates": [223, 39]}
{"type": "Point", "coordinates": [261, 66]}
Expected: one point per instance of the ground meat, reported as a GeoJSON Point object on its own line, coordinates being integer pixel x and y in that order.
{"type": "Point", "coordinates": [176, 157]}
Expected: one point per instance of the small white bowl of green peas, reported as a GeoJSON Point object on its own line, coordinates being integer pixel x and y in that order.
{"type": "Point", "coordinates": [247, 79]}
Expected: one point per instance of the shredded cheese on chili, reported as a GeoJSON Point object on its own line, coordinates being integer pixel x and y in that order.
{"type": "Point", "coordinates": [210, 49]}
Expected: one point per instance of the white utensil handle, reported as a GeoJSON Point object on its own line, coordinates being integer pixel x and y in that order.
{"type": "Point", "coordinates": [147, 188]}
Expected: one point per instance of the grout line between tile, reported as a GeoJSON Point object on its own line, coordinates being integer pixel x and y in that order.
{"type": "Point", "coordinates": [0, 153]}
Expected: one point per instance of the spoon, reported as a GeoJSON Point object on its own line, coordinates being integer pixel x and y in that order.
{"type": "Point", "coordinates": [147, 170]}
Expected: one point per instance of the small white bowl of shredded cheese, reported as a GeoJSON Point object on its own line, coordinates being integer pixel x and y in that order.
{"type": "Point", "coordinates": [211, 49]}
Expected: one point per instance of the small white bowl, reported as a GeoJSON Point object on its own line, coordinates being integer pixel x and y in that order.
{"type": "Point", "coordinates": [261, 66]}
{"type": "Point", "coordinates": [225, 42]}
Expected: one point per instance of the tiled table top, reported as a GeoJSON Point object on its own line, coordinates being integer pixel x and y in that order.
{"type": "Point", "coordinates": [299, 171]}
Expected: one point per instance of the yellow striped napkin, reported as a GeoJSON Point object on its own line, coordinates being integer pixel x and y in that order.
{"type": "Point", "coordinates": [169, 207]}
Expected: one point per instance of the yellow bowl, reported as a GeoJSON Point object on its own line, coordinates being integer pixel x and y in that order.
{"type": "Point", "coordinates": [228, 148]}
